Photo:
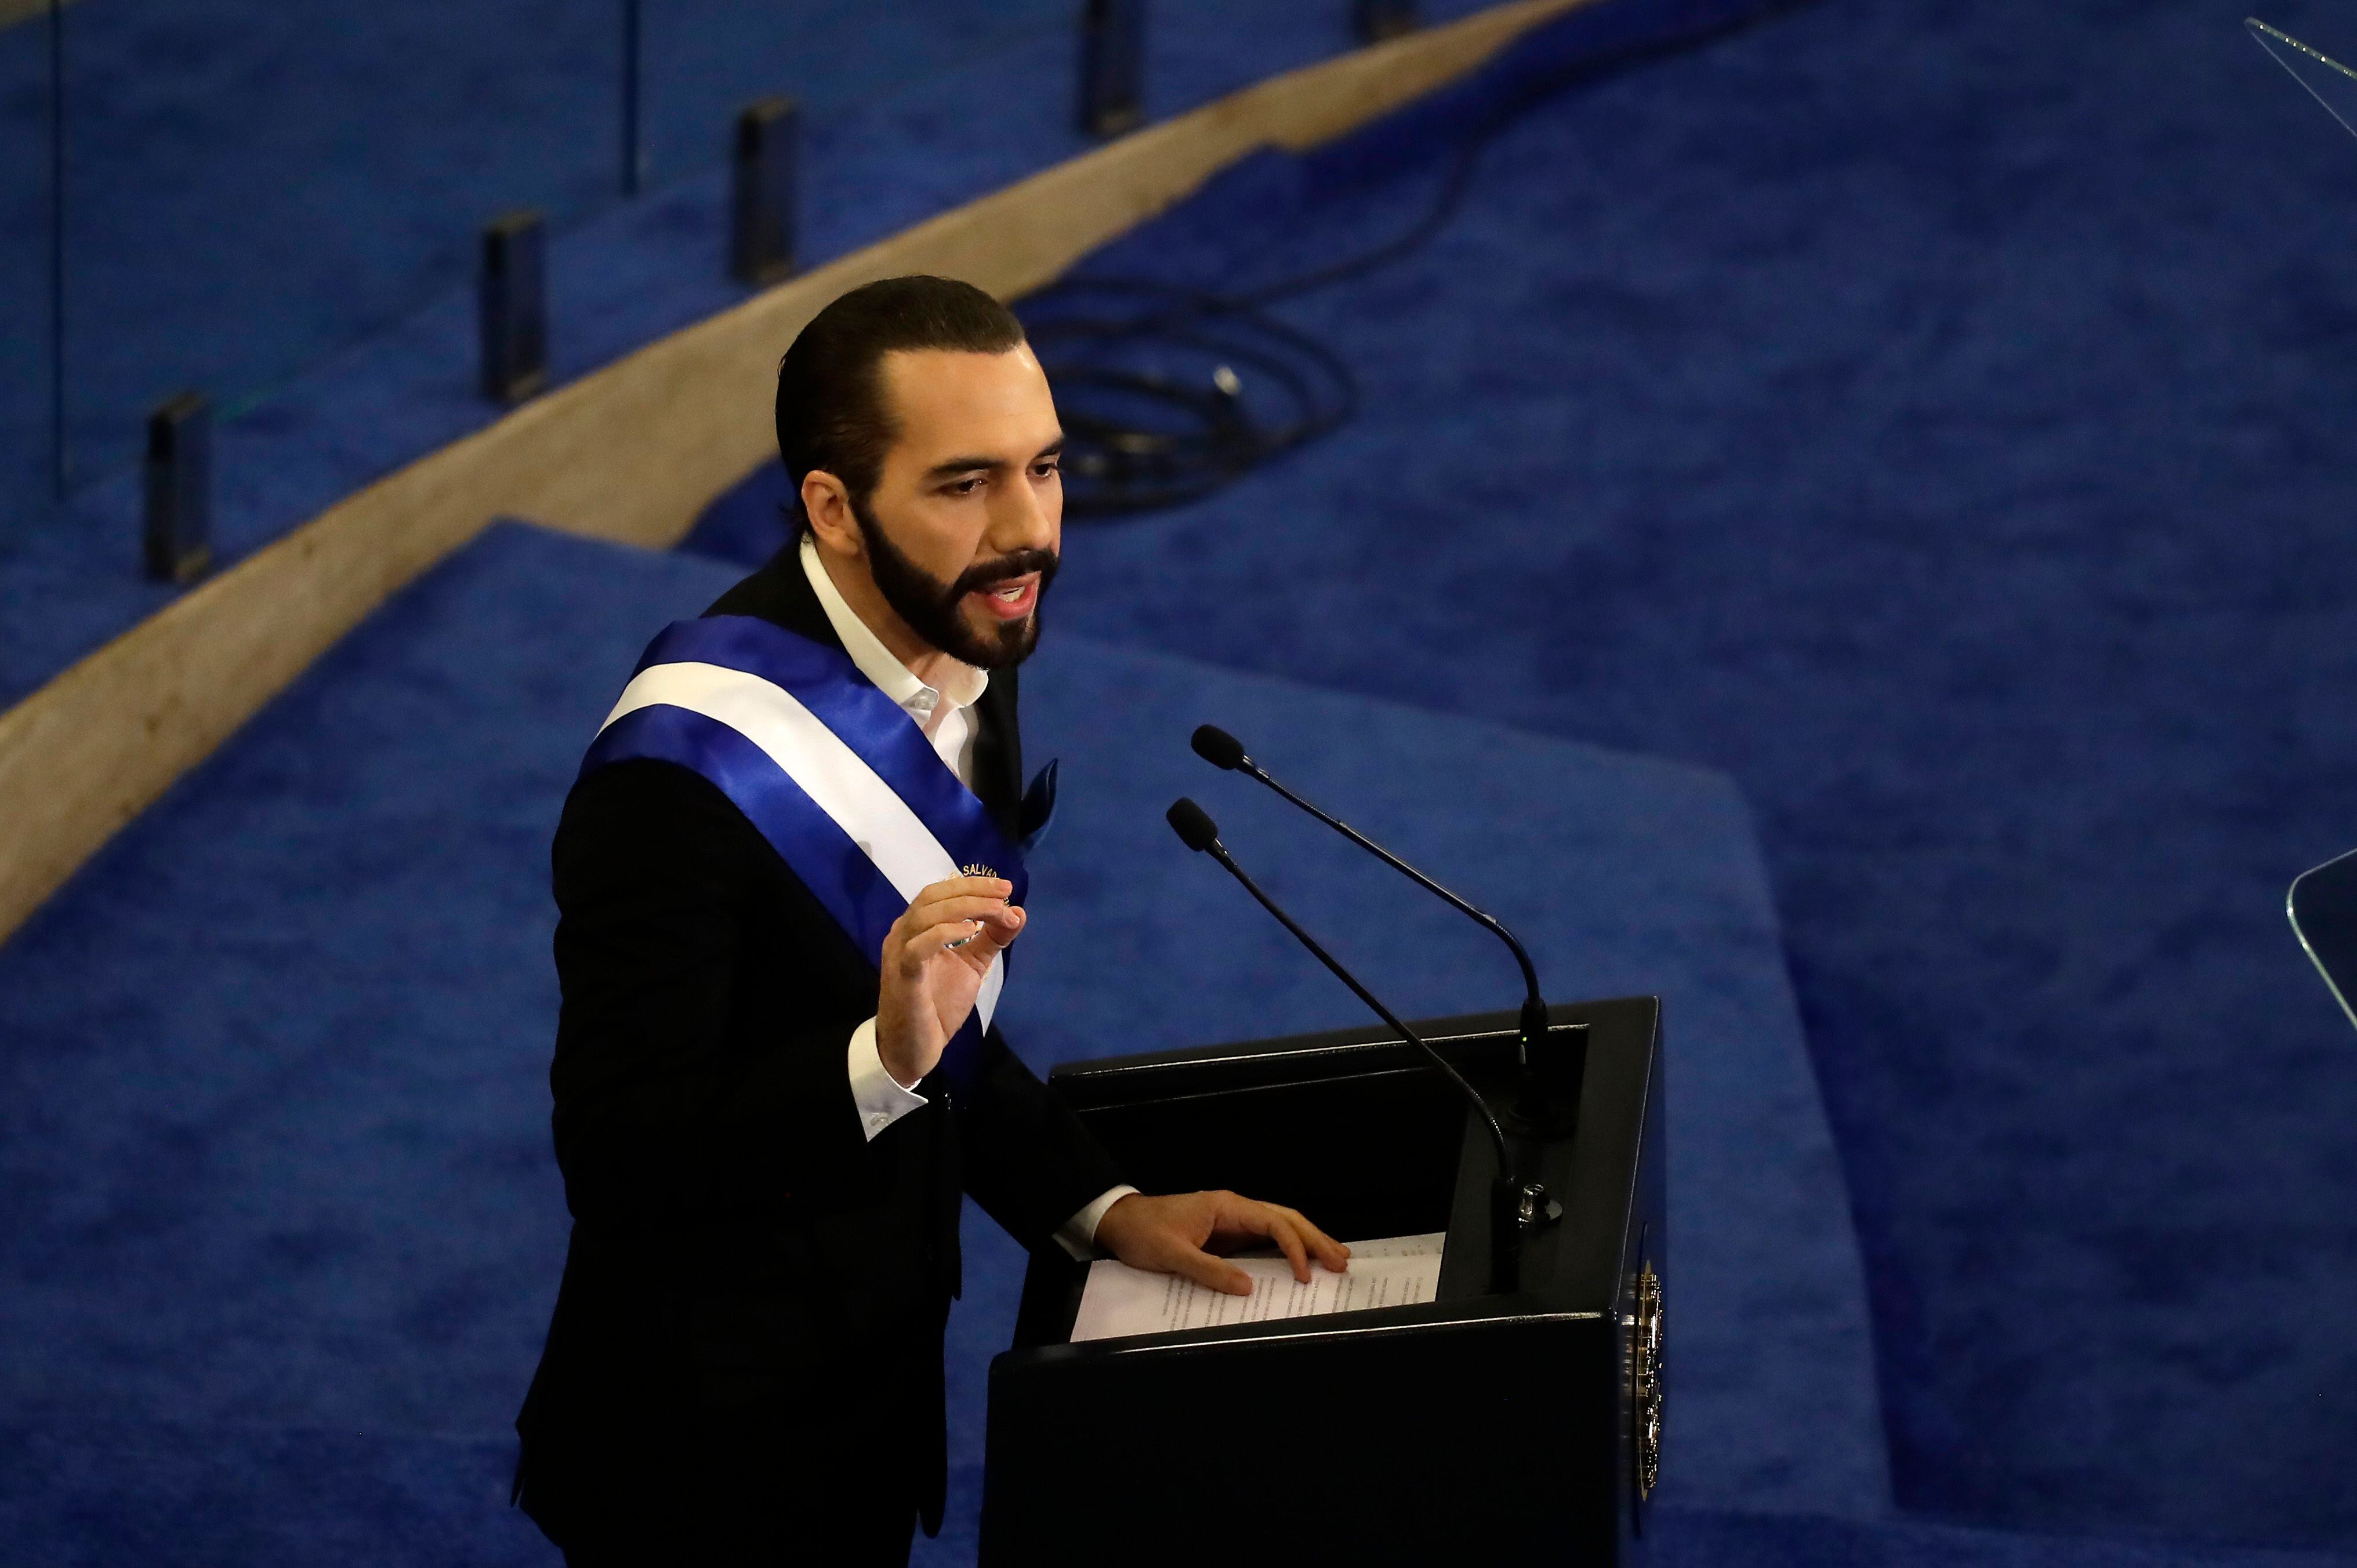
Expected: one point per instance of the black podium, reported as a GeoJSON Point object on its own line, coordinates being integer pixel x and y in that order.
{"type": "Point", "coordinates": [1479, 1427]}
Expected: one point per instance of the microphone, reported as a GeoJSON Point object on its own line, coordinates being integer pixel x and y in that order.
{"type": "Point", "coordinates": [1220, 749]}
{"type": "Point", "coordinates": [1514, 1205]}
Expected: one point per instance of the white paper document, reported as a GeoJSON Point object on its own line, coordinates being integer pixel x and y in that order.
{"type": "Point", "coordinates": [1119, 1300]}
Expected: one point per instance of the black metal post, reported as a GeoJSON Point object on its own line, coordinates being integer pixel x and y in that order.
{"type": "Point", "coordinates": [180, 489]}
{"type": "Point", "coordinates": [58, 467]}
{"type": "Point", "coordinates": [1112, 67]}
{"type": "Point", "coordinates": [634, 156]}
{"type": "Point", "coordinates": [514, 306]}
{"type": "Point", "coordinates": [762, 211]}
{"type": "Point", "coordinates": [1375, 20]}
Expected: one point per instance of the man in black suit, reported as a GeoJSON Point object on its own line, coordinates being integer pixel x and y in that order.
{"type": "Point", "coordinates": [763, 1146]}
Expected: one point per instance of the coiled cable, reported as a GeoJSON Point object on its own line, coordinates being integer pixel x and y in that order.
{"type": "Point", "coordinates": [1171, 392]}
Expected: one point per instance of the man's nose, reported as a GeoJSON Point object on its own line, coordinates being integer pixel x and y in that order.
{"type": "Point", "coordinates": [1019, 520]}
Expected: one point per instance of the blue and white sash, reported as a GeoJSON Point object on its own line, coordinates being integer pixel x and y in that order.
{"type": "Point", "coordinates": [830, 770]}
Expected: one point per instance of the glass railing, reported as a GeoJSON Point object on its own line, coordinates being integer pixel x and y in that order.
{"type": "Point", "coordinates": [2323, 909]}
{"type": "Point", "coordinates": [2331, 84]}
{"type": "Point", "coordinates": [25, 232]}
{"type": "Point", "coordinates": [254, 193]}
{"type": "Point", "coordinates": [2322, 903]}
{"type": "Point", "coordinates": [840, 60]}
{"type": "Point", "coordinates": [252, 188]}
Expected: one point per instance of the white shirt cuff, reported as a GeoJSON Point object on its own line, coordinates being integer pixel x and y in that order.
{"type": "Point", "coordinates": [1078, 1234]}
{"type": "Point", "coordinates": [879, 1096]}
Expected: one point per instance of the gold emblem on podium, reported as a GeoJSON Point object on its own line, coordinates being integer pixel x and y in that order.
{"type": "Point", "coordinates": [1645, 1383]}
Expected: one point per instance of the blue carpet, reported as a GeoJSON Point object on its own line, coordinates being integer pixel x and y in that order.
{"type": "Point", "coordinates": [281, 1216]}
{"type": "Point", "coordinates": [102, 1494]}
{"type": "Point", "coordinates": [1926, 415]}
{"type": "Point", "coordinates": [1720, 1540]}
{"type": "Point", "coordinates": [1932, 416]}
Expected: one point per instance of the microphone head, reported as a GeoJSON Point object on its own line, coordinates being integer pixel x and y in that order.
{"type": "Point", "coordinates": [1194, 825]}
{"type": "Point", "coordinates": [1218, 748]}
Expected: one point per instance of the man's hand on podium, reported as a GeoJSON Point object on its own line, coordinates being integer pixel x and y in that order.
{"type": "Point", "coordinates": [1170, 1236]}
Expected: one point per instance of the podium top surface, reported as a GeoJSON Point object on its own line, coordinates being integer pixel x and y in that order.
{"type": "Point", "coordinates": [1472, 1041]}
{"type": "Point", "coordinates": [1359, 1131]}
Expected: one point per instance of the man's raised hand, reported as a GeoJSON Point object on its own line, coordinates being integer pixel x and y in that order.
{"type": "Point", "coordinates": [934, 958]}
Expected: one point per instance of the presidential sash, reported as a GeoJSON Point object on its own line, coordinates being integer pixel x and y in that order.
{"type": "Point", "coordinates": [830, 770]}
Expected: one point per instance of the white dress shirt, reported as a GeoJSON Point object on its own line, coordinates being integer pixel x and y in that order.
{"type": "Point", "coordinates": [946, 714]}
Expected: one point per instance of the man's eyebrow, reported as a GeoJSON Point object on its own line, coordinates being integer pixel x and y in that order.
{"type": "Point", "coordinates": [953, 467]}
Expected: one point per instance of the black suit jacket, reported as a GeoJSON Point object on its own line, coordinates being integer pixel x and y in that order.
{"type": "Point", "coordinates": [745, 1267]}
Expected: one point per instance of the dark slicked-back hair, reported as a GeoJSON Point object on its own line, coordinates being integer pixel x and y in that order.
{"type": "Point", "coordinates": [833, 415]}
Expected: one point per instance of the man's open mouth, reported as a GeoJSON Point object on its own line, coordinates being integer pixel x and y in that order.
{"type": "Point", "coordinates": [1010, 600]}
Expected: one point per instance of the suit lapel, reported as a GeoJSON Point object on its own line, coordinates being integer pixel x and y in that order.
{"type": "Point", "coordinates": [998, 755]}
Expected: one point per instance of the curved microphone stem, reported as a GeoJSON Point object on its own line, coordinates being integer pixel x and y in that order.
{"type": "Point", "coordinates": [1489, 1118]}
{"type": "Point", "coordinates": [1534, 1017]}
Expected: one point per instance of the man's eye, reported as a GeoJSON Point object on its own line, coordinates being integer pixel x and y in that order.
{"type": "Point", "coordinates": [965, 486]}
{"type": "Point", "coordinates": [1042, 470]}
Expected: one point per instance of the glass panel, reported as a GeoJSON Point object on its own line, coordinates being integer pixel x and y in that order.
{"type": "Point", "coordinates": [977, 92]}
{"type": "Point", "coordinates": [24, 261]}
{"type": "Point", "coordinates": [1192, 54]}
{"type": "Point", "coordinates": [2333, 84]}
{"type": "Point", "coordinates": [973, 65]}
{"type": "Point", "coordinates": [2323, 906]}
{"type": "Point", "coordinates": [1196, 50]}
{"type": "Point", "coordinates": [253, 187]}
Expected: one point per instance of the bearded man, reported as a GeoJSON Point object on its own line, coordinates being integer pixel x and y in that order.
{"type": "Point", "coordinates": [787, 876]}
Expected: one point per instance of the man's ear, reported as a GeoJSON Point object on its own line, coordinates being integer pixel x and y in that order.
{"type": "Point", "coordinates": [828, 505]}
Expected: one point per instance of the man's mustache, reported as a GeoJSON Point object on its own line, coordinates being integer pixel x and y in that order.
{"type": "Point", "coordinates": [990, 573]}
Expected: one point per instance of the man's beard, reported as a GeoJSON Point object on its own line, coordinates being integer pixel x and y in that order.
{"type": "Point", "coordinates": [930, 607]}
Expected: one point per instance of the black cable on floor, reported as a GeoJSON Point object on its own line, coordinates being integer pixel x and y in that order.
{"type": "Point", "coordinates": [1151, 381]}
{"type": "Point", "coordinates": [1169, 393]}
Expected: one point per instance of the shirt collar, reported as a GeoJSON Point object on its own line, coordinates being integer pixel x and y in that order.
{"type": "Point", "coordinates": [961, 684]}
